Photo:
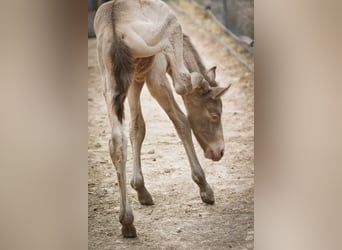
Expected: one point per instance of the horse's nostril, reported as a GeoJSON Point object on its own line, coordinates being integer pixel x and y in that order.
{"type": "Point", "coordinates": [222, 152]}
{"type": "Point", "coordinates": [210, 154]}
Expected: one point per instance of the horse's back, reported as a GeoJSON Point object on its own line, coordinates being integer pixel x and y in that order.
{"type": "Point", "coordinates": [125, 13]}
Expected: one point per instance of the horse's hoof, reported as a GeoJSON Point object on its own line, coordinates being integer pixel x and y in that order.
{"type": "Point", "coordinates": [208, 196]}
{"type": "Point", "coordinates": [145, 198]}
{"type": "Point", "coordinates": [128, 231]}
{"type": "Point", "coordinates": [147, 201]}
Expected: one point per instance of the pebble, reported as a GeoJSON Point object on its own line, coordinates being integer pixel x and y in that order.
{"type": "Point", "coordinates": [151, 151]}
{"type": "Point", "coordinates": [179, 230]}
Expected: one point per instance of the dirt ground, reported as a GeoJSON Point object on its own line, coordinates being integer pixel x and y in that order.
{"type": "Point", "coordinates": [179, 219]}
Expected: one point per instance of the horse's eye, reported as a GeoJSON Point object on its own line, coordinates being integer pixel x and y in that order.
{"type": "Point", "coordinates": [214, 117]}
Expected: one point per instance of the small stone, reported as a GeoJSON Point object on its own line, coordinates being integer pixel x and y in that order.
{"type": "Point", "coordinates": [179, 230]}
{"type": "Point", "coordinates": [97, 145]}
{"type": "Point", "coordinates": [154, 159]}
{"type": "Point", "coordinates": [151, 151]}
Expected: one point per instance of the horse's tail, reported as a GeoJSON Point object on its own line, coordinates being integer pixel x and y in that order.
{"type": "Point", "coordinates": [123, 68]}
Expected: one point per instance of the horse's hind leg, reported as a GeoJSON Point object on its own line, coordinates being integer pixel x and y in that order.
{"type": "Point", "coordinates": [137, 135]}
{"type": "Point", "coordinates": [118, 140]}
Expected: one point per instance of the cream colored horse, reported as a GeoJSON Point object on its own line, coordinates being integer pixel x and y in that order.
{"type": "Point", "coordinates": [138, 42]}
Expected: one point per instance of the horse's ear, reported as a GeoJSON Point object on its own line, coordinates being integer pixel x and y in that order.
{"type": "Point", "coordinates": [212, 74]}
{"type": "Point", "coordinates": [216, 92]}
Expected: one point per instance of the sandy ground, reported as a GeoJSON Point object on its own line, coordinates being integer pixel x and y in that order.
{"type": "Point", "coordinates": [179, 219]}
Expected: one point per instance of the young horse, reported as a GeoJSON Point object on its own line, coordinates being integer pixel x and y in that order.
{"type": "Point", "coordinates": [140, 41]}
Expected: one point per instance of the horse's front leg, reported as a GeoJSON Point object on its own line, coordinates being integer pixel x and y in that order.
{"type": "Point", "coordinates": [160, 89]}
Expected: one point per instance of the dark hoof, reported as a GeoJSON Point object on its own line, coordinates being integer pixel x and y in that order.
{"type": "Point", "coordinates": [208, 196]}
{"type": "Point", "coordinates": [128, 231]}
{"type": "Point", "coordinates": [145, 198]}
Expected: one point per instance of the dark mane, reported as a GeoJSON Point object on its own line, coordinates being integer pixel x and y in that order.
{"type": "Point", "coordinates": [193, 61]}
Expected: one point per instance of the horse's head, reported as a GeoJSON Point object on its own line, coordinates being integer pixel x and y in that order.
{"type": "Point", "coordinates": [204, 108]}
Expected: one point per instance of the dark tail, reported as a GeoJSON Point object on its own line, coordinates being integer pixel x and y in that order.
{"type": "Point", "coordinates": [123, 69]}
